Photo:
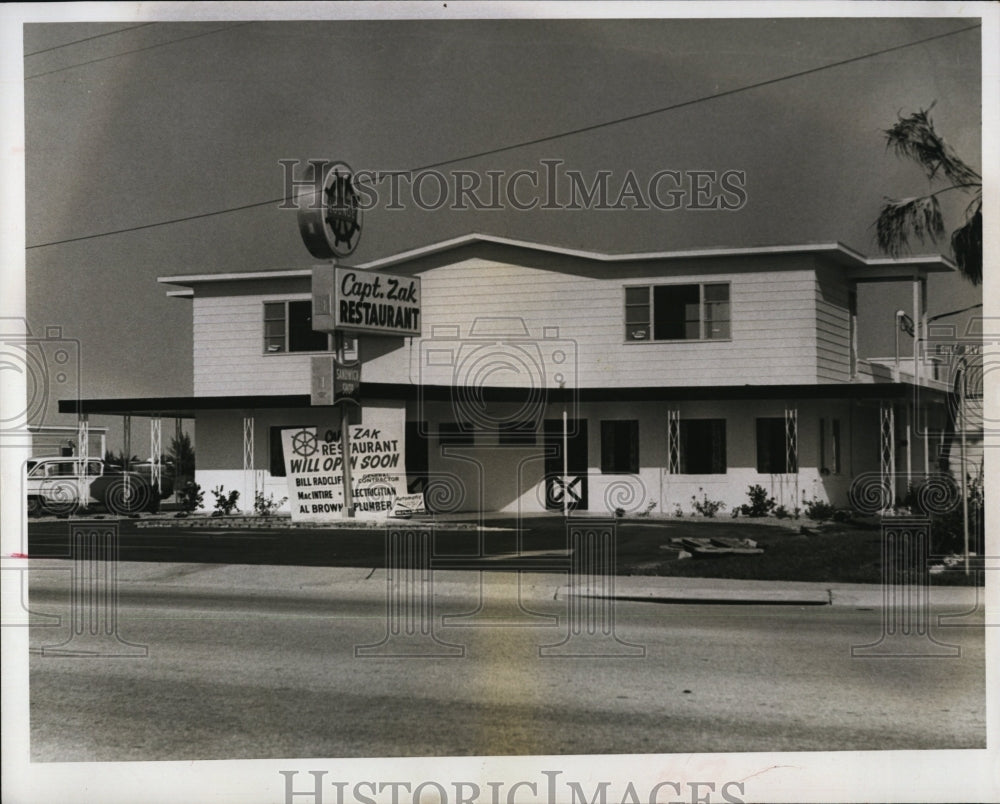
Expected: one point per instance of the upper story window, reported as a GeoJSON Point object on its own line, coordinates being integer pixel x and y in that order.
{"type": "Point", "coordinates": [693, 312]}
{"type": "Point", "coordinates": [288, 328]}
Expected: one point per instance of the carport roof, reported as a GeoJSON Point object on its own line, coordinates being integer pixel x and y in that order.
{"type": "Point", "coordinates": [188, 407]}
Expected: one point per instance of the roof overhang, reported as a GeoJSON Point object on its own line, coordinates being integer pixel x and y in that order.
{"type": "Point", "coordinates": [189, 407]}
{"type": "Point", "coordinates": [860, 267]}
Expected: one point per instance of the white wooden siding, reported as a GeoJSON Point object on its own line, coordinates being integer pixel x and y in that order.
{"type": "Point", "coordinates": [832, 326]}
{"type": "Point", "coordinates": [787, 326]}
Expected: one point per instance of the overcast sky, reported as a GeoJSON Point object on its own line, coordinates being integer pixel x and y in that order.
{"type": "Point", "coordinates": [170, 120]}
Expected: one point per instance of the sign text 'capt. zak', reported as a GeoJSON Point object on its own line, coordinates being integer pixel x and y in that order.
{"type": "Point", "coordinates": [365, 301]}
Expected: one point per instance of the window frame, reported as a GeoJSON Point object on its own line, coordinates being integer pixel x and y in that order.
{"type": "Point", "coordinates": [650, 306]}
{"type": "Point", "coordinates": [287, 330]}
{"type": "Point", "coordinates": [609, 464]}
{"type": "Point", "coordinates": [780, 424]}
{"type": "Point", "coordinates": [682, 465]}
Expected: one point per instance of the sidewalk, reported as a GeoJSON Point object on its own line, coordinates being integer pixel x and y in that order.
{"type": "Point", "coordinates": [344, 582]}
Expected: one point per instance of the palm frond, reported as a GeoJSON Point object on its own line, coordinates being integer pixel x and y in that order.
{"type": "Point", "coordinates": [900, 218]}
{"type": "Point", "coordinates": [914, 137]}
{"type": "Point", "coordinates": [967, 246]}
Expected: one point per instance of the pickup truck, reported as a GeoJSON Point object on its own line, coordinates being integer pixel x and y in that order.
{"type": "Point", "coordinates": [68, 485]}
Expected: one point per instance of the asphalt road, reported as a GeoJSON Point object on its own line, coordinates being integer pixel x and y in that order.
{"type": "Point", "coordinates": [260, 671]}
{"type": "Point", "coordinates": [327, 547]}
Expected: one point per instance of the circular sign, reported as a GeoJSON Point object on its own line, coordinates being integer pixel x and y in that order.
{"type": "Point", "coordinates": [329, 211]}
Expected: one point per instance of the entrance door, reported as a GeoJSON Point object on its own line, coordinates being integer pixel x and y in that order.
{"type": "Point", "coordinates": [574, 486]}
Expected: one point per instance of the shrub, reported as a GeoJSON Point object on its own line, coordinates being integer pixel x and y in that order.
{"type": "Point", "coordinates": [192, 497]}
{"type": "Point", "coordinates": [819, 510]}
{"type": "Point", "coordinates": [760, 503]}
{"type": "Point", "coordinates": [224, 503]}
{"type": "Point", "coordinates": [843, 515]}
{"type": "Point", "coordinates": [781, 512]}
{"type": "Point", "coordinates": [265, 506]}
{"type": "Point", "coordinates": [706, 507]}
{"type": "Point", "coordinates": [649, 509]}
{"type": "Point", "coordinates": [678, 511]}
{"type": "Point", "coordinates": [948, 535]}
{"type": "Point", "coordinates": [619, 512]}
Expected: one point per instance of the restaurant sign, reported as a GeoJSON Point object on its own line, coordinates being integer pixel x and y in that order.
{"type": "Point", "coordinates": [314, 466]}
{"type": "Point", "coordinates": [354, 300]}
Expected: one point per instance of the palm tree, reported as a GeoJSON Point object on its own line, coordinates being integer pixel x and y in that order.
{"type": "Point", "coordinates": [914, 137]}
{"type": "Point", "coordinates": [182, 454]}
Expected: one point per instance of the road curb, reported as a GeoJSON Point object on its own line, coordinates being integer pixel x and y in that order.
{"type": "Point", "coordinates": [713, 595]}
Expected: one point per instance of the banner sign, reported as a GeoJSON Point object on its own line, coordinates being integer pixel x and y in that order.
{"type": "Point", "coordinates": [313, 464]}
{"type": "Point", "coordinates": [365, 301]}
{"type": "Point", "coordinates": [408, 505]}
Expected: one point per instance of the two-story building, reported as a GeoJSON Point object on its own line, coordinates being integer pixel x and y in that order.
{"type": "Point", "coordinates": [632, 381]}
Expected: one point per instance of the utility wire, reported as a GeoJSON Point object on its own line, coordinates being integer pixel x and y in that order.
{"type": "Point", "coordinates": [140, 49]}
{"type": "Point", "coordinates": [87, 39]}
{"type": "Point", "coordinates": [539, 140]}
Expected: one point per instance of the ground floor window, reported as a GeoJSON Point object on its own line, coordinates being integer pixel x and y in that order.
{"type": "Point", "coordinates": [829, 446]}
{"type": "Point", "coordinates": [620, 447]}
{"type": "Point", "coordinates": [703, 446]}
{"type": "Point", "coordinates": [772, 451]}
{"type": "Point", "coordinates": [276, 454]}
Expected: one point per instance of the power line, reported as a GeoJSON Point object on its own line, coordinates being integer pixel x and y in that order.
{"type": "Point", "coordinates": [537, 140]}
{"type": "Point", "coordinates": [87, 39]}
{"type": "Point", "coordinates": [140, 49]}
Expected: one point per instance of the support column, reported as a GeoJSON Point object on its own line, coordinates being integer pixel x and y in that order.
{"type": "Point", "coordinates": [887, 451]}
{"type": "Point", "coordinates": [155, 451]}
{"type": "Point", "coordinates": [674, 442]}
{"type": "Point", "coordinates": [127, 440]}
{"type": "Point", "coordinates": [249, 478]}
{"type": "Point", "coordinates": [127, 461]}
{"type": "Point", "coordinates": [82, 454]}
{"type": "Point", "coordinates": [178, 432]}
{"type": "Point", "coordinates": [909, 446]}
{"type": "Point", "coordinates": [792, 452]}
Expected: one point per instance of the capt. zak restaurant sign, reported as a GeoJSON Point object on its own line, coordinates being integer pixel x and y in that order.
{"type": "Point", "coordinates": [314, 465]}
{"type": "Point", "coordinates": [365, 301]}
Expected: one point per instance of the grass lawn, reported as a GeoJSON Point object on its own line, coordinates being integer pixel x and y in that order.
{"type": "Point", "coordinates": [829, 552]}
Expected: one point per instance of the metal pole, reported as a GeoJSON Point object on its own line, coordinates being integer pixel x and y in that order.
{"type": "Point", "coordinates": [965, 490]}
{"type": "Point", "coordinates": [345, 438]}
{"type": "Point", "coordinates": [899, 315]}
{"type": "Point", "coordinates": [565, 457]}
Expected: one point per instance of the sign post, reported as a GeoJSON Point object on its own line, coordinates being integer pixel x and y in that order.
{"type": "Point", "coordinates": [345, 432]}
